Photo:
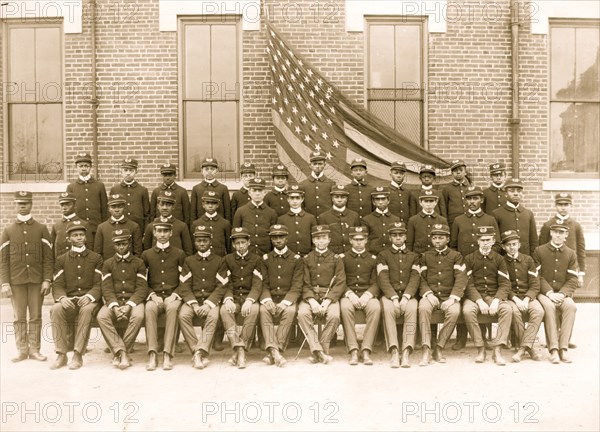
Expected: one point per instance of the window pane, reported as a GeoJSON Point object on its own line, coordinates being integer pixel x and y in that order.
{"type": "Point", "coordinates": [196, 61]}
{"type": "Point", "coordinates": [383, 110]}
{"type": "Point", "coordinates": [48, 65]}
{"type": "Point", "coordinates": [562, 55]}
{"type": "Point", "coordinates": [21, 75]}
{"type": "Point", "coordinates": [197, 134]}
{"type": "Point", "coordinates": [381, 53]}
{"type": "Point", "coordinates": [408, 120]}
{"type": "Point", "coordinates": [22, 135]}
{"type": "Point", "coordinates": [224, 62]}
{"type": "Point", "coordinates": [408, 55]}
{"type": "Point", "coordinates": [50, 138]}
{"type": "Point", "coordinates": [225, 133]}
{"type": "Point", "coordinates": [588, 52]}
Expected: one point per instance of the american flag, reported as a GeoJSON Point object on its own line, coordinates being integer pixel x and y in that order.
{"type": "Point", "coordinates": [309, 113]}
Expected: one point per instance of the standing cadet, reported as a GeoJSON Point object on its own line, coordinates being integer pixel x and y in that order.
{"type": "Point", "coordinates": [400, 196]}
{"type": "Point", "coordinates": [362, 294]}
{"type": "Point", "coordinates": [359, 198]}
{"type": "Point", "coordinates": [398, 274]}
{"type": "Point", "coordinates": [164, 263]}
{"type": "Point", "coordinates": [137, 201]}
{"type": "Point", "coordinates": [317, 186]}
{"type": "Point", "coordinates": [324, 282]}
{"type": "Point", "coordinates": [487, 291]}
{"type": "Point", "coordinates": [298, 222]}
{"type": "Point", "coordinates": [525, 285]}
{"type": "Point", "coordinates": [202, 294]}
{"type": "Point", "coordinates": [124, 289]}
{"type": "Point", "coordinates": [58, 234]}
{"type": "Point", "coordinates": [557, 265]}
{"type": "Point", "coordinates": [210, 167]}
{"type": "Point", "coordinates": [220, 227]}
{"type": "Point", "coordinates": [256, 217]}
{"type": "Point", "coordinates": [495, 196]}
{"type": "Point", "coordinates": [277, 198]}
{"type": "Point", "coordinates": [90, 195]}
{"type": "Point", "coordinates": [241, 197]}
{"type": "Point", "coordinates": [103, 243]}
{"type": "Point", "coordinates": [25, 272]}
{"type": "Point", "coordinates": [180, 238]}
{"type": "Point", "coordinates": [379, 220]}
{"type": "Point", "coordinates": [282, 286]}
{"type": "Point", "coordinates": [453, 194]}
{"type": "Point", "coordinates": [241, 273]}
{"type": "Point", "coordinates": [339, 219]}
{"type": "Point", "coordinates": [443, 283]}
{"type": "Point", "coordinates": [181, 209]}
{"type": "Point", "coordinates": [77, 291]}
{"type": "Point", "coordinates": [514, 216]}
{"type": "Point", "coordinates": [427, 177]}
{"type": "Point", "coordinates": [419, 228]}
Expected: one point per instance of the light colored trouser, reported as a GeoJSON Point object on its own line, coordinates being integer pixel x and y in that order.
{"type": "Point", "coordinates": [533, 316]}
{"type": "Point", "coordinates": [277, 338]}
{"type": "Point", "coordinates": [306, 321]}
{"type": "Point", "coordinates": [202, 340]}
{"type": "Point", "coordinates": [409, 328]}
{"type": "Point", "coordinates": [106, 321]}
{"type": "Point", "coordinates": [450, 317]}
{"type": "Point", "coordinates": [470, 311]}
{"type": "Point", "coordinates": [61, 318]}
{"type": "Point", "coordinates": [27, 333]}
{"type": "Point", "coordinates": [171, 325]}
{"type": "Point", "coordinates": [229, 323]}
{"type": "Point", "coordinates": [558, 321]}
{"type": "Point", "coordinates": [372, 316]}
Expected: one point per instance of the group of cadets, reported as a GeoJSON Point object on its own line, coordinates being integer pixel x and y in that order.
{"type": "Point", "coordinates": [315, 252]}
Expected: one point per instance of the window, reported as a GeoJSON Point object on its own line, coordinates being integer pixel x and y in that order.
{"type": "Point", "coordinates": [396, 73]}
{"type": "Point", "coordinates": [210, 92]}
{"type": "Point", "coordinates": [33, 101]}
{"type": "Point", "coordinates": [574, 98]}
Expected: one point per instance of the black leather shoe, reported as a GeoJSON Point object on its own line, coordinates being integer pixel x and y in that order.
{"type": "Point", "coordinates": [324, 358]}
{"type": "Point", "coordinates": [60, 361]}
{"type": "Point", "coordinates": [367, 358]}
{"type": "Point", "coordinates": [167, 365]}
{"type": "Point", "coordinates": [405, 361]}
{"type": "Point", "coordinates": [152, 361]}
{"type": "Point", "coordinates": [480, 355]}
{"type": "Point", "coordinates": [438, 355]}
{"type": "Point", "coordinates": [564, 356]}
{"type": "Point", "coordinates": [395, 360]}
{"type": "Point", "coordinates": [197, 360]}
{"type": "Point", "coordinates": [19, 358]}
{"type": "Point", "coordinates": [76, 361]}
{"type": "Point", "coordinates": [554, 357]}
{"type": "Point", "coordinates": [426, 358]}
{"type": "Point", "coordinates": [279, 360]}
{"type": "Point", "coordinates": [241, 358]}
{"type": "Point", "coordinates": [353, 358]}
{"type": "Point", "coordinates": [124, 362]}
{"type": "Point", "coordinates": [37, 356]}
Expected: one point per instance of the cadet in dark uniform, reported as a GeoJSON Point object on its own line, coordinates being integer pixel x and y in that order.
{"type": "Point", "coordinates": [181, 210]}
{"type": "Point", "coordinates": [241, 273]}
{"type": "Point", "coordinates": [137, 201]}
{"type": "Point", "coordinates": [25, 272]}
{"type": "Point", "coordinates": [240, 197]}
{"type": "Point", "coordinates": [494, 196]}
{"type": "Point", "coordinates": [124, 289]}
{"type": "Point", "coordinates": [453, 194]}
{"type": "Point", "coordinates": [400, 196]}
{"type": "Point", "coordinates": [298, 222]}
{"type": "Point", "coordinates": [202, 294]}
{"type": "Point", "coordinates": [362, 293]}
{"type": "Point", "coordinates": [220, 227]}
{"type": "Point", "coordinates": [427, 177]}
{"type": "Point", "coordinates": [443, 283]}
{"type": "Point", "coordinates": [398, 274]}
{"type": "Point", "coordinates": [557, 265]}
{"type": "Point", "coordinates": [379, 221]}
{"type": "Point", "coordinates": [324, 283]}
{"type": "Point", "coordinates": [58, 233]}
{"type": "Point", "coordinates": [282, 287]}
{"type": "Point", "coordinates": [339, 219]}
{"type": "Point", "coordinates": [277, 198]}
{"type": "Point", "coordinates": [90, 195]}
{"type": "Point", "coordinates": [525, 285]}
{"type": "Point", "coordinates": [180, 237]}
{"type": "Point", "coordinates": [77, 291]}
{"type": "Point", "coordinates": [359, 198]}
{"type": "Point", "coordinates": [210, 167]}
{"type": "Point", "coordinates": [164, 263]}
{"type": "Point", "coordinates": [487, 291]}
{"type": "Point", "coordinates": [419, 228]}
{"type": "Point", "coordinates": [103, 243]}
{"type": "Point", "coordinates": [317, 186]}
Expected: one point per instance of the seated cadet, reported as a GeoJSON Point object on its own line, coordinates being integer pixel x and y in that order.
{"type": "Point", "coordinates": [324, 283]}
{"type": "Point", "coordinates": [525, 285]}
{"type": "Point", "coordinates": [282, 286]}
{"type": "Point", "coordinates": [297, 221]}
{"type": "Point", "coordinates": [557, 265]}
{"type": "Point", "coordinates": [77, 289]}
{"type": "Point", "coordinates": [164, 263]}
{"type": "Point", "coordinates": [339, 219]}
{"type": "Point", "coordinates": [361, 294]}
{"type": "Point", "coordinates": [202, 293]}
{"type": "Point", "coordinates": [103, 244]}
{"type": "Point", "coordinates": [398, 274]}
{"type": "Point", "coordinates": [241, 273]}
{"type": "Point", "coordinates": [220, 227]}
{"type": "Point", "coordinates": [277, 198]}
{"type": "Point", "coordinates": [379, 220]}
{"type": "Point", "coordinates": [487, 291]}
{"type": "Point", "coordinates": [443, 283]}
{"type": "Point", "coordinates": [124, 289]}
{"type": "Point", "coordinates": [180, 234]}
{"type": "Point", "coordinates": [418, 237]}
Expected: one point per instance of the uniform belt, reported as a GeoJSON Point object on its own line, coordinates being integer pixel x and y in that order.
{"type": "Point", "coordinates": [320, 290]}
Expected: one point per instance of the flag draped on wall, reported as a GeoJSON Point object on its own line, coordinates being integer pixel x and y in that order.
{"type": "Point", "coordinates": [309, 113]}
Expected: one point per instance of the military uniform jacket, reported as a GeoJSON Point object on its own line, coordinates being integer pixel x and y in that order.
{"type": "Point", "coordinates": [400, 201]}
{"type": "Point", "coordinates": [238, 199]}
{"type": "Point", "coordinates": [463, 234]}
{"type": "Point", "coordinates": [575, 239]}
{"type": "Point", "coordinates": [220, 229]}
{"type": "Point", "coordinates": [257, 220]}
{"type": "Point", "coordinates": [319, 272]}
{"type": "Point", "coordinates": [361, 273]}
{"type": "Point", "coordinates": [299, 226]}
{"type": "Point", "coordinates": [103, 244]}
{"type": "Point", "coordinates": [524, 277]}
{"type": "Point", "coordinates": [221, 191]}
{"type": "Point", "coordinates": [181, 209]}
{"type": "Point", "coordinates": [137, 207]}
{"type": "Point", "coordinates": [180, 238]}
{"type": "Point", "coordinates": [284, 275]}
{"type": "Point", "coordinates": [339, 223]}
{"type": "Point", "coordinates": [277, 200]}
{"type": "Point", "coordinates": [77, 274]}
{"type": "Point", "coordinates": [521, 220]}
{"type": "Point", "coordinates": [198, 281]}
{"type": "Point", "coordinates": [317, 199]}
{"type": "Point", "coordinates": [415, 206]}
{"type": "Point", "coordinates": [124, 281]}
{"type": "Point", "coordinates": [58, 236]}
{"type": "Point", "coordinates": [26, 252]}
{"type": "Point", "coordinates": [242, 277]}
{"type": "Point", "coordinates": [453, 195]}
{"type": "Point", "coordinates": [493, 197]}
{"type": "Point", "coordinates": [91, 205]}
{"type": "Point", "coordinates": [443, 273]}
{"type": "Point", "coordinates": [164, 267]}
{"type": "Point", "coordinates": [418, 238]}
{"type": "Point", "coordinates": [359, 198]}
{"type": "Point", "coordinates": [557, 268]}
{"type": "Point", "coordinates": [398, 272]}
{"type": "Point", "coordinates": [378, 224]}
{"type": "Point", "coordinates": [488, 276]}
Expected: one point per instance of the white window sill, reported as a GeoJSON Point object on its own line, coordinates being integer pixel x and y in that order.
{"type": "Point", "coordinates": [34, 187]}
{"type": "Point", "coordinates": [592, 185]}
